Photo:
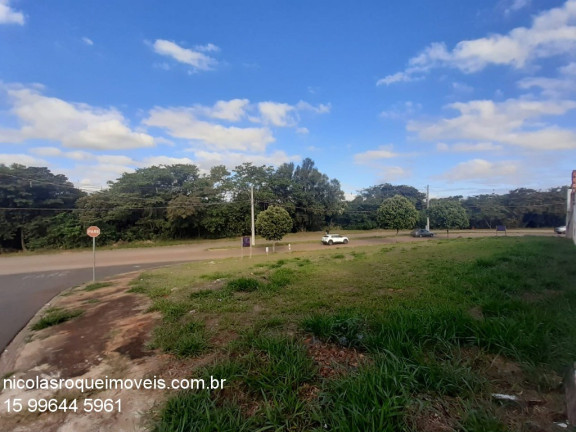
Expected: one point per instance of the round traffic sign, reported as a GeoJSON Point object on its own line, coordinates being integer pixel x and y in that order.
{"type": "Point", "coordinates": [93, 231]}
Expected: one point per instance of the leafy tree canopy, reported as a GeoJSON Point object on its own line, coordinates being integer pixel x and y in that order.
{"type": "Point", "coordinates": [377, 194]}
{"type": "Point", "coordinates": [362, 210]}
{"type": "Point", "coordinates": [397, 213]}
{"type": "Point", "coordinates": [30, 197]}
{"type": "Point", "coordinates": [448, 214]}
{"type": "Point", "coordinates": [273, 223]}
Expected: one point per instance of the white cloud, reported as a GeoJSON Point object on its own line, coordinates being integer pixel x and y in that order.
{"type": "Point", "coordinates": [469, 147]}
{"type": "Point", "coordinates": [371, 156]}
{"type": "Point", "coordinates": [96, 176]}
{"type": "Point", "coordinates": [166, 142]}
{"type": "Point", "coordinates": [196, 59]}
{"type": "Point", "coordinates": [318, 109]}
{"type": "Point", "coordinates": [207, 159]}
{"type": "Point", "coordinates": [401, 111]}
{"type": "Point", "coordinates": [569, 70]}
{"type": "Point", "coordinates": [233, 110]}
{"type": "Point", "coordinates": [277, 114]}
{"type": "Point", "coordinates": [115, 160]}
{"type": "Point", "coordinates": [462, 88]}
{"type": "Point", "coordinates": [373, 159]}
{"type": "Point", "coordinates": [183, 123]}
{"type": "Point", "coordinates": [389, 174]}
{"type": "Point", "coordinates": [508, 7]}
{"type": "Point", "coordinates": [56, 152]}
{"type": "Point", "coordinates": [517, 5]}
{"type": "Point", "coordinates": [286, 115]}
{"type": "Point", "coordinates": [396, 78]}
{"type": "Point", "coordinates": [207, 48]}
{"type": "Point", "coordinates": [512, 122]}
{"type": "Point", "coordinates": [165, 160]}
{"type": "Point", "coordinates": [88, 41]}
{"type": "Point", "coordinates": [480, 169]}
{"type": "Point", "coordinates": [443, 147]}
{"type": "Point", "coordinates": [553, 32]}
{"type": "Point", "coordinates": [47, 151]}
{"type": "Point", "coordinates": [21, 159]}
{"type": "Point", "coordinates": [74, 125]}
{"type": "Point", "coordinates": [553, 87]}
{"type": "Point", "coordinates": [9, 15]}
{"type": "Point", "coordinates": [202, 124]}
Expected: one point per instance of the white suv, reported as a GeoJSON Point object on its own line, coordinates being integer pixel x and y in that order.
{"type": "Point", "coordinates": [330, 239]}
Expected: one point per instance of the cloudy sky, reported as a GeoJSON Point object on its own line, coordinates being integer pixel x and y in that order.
{"type": "Point", "coordinates": [469, 97]}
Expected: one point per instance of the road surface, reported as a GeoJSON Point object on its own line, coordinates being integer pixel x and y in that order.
{"type": "Point", "coordinates": [24, 294]}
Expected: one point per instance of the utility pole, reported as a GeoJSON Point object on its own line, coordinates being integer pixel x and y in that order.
{"type": "Point", "coordinates": [568, 205]}
{"type": "Point", "coordinates": [427, 207]}
{"type": "Point", "coordinates": [253, 242]}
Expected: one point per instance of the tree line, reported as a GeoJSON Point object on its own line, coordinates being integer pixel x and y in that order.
{"type": "Point", "coordinates": [39, 209]}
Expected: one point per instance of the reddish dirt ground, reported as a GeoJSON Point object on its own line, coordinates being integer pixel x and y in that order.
{"type": "Point", "coordinates": [107, 340]}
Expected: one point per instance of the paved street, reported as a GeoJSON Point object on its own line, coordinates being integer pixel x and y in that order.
{"type": "Point", "coordinates": [22, 295]}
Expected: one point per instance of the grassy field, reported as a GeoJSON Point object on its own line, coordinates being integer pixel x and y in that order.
{"type": "Point", "coordinates": [407, 337]}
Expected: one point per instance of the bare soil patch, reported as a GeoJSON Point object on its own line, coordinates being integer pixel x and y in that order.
{"type": "Point", "coordinates": [109, 340]}
{"type": "Point", "coordinates": [333, 360]}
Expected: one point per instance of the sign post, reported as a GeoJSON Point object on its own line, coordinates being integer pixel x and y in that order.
{"type": "Point", "coordinates": [246, 243]}
{"type": "Point", "coordinates": [93, 231]}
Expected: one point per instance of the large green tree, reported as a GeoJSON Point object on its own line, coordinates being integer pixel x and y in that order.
{"type": "Point", "coordinates": [397, 213]}
{"type": "Point", "coordinates": [361, 213]}
{"type": "Point", "coordinates": [273, 224]}
{"type": "Point", "coordinates": [486, 211]}
{"type": "Point", "coordinates": [519, 208]}
{"type": "Point", "coordinates": [164, 201]}
{"type": "Point", "coordinates": [448, 214]}
{"type": "Point", "coordinates": [314, 198]}
{"type": "Point", "coordinates": [31, 198]}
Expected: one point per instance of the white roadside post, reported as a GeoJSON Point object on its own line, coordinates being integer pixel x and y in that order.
{"type": "Point", "coordinates": [93, 231]}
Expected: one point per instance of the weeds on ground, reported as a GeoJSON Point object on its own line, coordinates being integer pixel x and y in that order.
{"type": "Point", "coordinates": [97, 285]}
{"type": "Point", "coordinates": [54, 316]}
{"type": "Point", "coordinates": [425, 322]}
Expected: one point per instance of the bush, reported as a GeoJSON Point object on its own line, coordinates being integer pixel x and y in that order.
{"type": "Point", "coordinates": [243, 284]}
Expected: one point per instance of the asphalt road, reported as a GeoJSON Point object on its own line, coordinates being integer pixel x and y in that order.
{"type": "Point", "coordinates": [22, 295]}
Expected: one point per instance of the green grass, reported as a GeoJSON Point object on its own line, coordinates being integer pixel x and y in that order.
{"type": "Point", "coordinates": [428, 320]}
{"type": "Point", "coordinates": [55, 316]}
{"type": "Point", "coordinates": [181, 339]}
{"type": "Point", "coordinates": [97, 285]}
{"type": "Point", "coordinates": [265, 369]}
{"type": "Point", "coordinates": [92, 301]}
{"type": "Point", "coordinates": [243, 284]}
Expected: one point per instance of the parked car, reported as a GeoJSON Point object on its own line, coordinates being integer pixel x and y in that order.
{"type": "Point", "coordinates": [330, 239]}
{"type": "Point", "coordinates": [422, 233]}
{"type": "Point", "coordinates": [560, 229]}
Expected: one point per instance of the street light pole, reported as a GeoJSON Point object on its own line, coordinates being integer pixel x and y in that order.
{"type": "Point", "coordinates": [253, 242]}
{"type": "Point", "coordinates": [427, 207]}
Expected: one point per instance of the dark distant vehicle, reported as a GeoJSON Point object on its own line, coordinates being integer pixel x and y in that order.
{"type": "Point", "coordinates": [560, 229]}
{"type": "Point", "coordinates": [422, 233]}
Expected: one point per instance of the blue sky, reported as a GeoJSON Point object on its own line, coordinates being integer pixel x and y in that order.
{"type": "Point", "coordinates": [469, 97]}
